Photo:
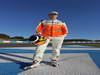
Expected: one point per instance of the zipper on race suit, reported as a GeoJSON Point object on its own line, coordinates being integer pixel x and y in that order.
{"type": "Point", "coordinates": [52, 29]}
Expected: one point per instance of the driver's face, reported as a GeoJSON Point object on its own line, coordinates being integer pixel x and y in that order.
{"type": "Point", "coordinates": [53, 16]}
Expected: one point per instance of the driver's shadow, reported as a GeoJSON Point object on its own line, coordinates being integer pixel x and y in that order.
{"type": "Point", "coordinates": [17, 63]}
{"type": "Point", "coordinates": [22, 64]}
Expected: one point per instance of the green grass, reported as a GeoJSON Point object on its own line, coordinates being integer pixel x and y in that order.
{"type": "Point", "coordinates": [92, 45]}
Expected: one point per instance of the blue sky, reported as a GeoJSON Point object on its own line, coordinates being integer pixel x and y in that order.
{"type": "Point", "coordinates": [20, 17]}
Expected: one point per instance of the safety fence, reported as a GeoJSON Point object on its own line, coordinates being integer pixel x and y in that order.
{"type": "Point", "coordinates": [14, 42]}
{"type": "Point", "coordinates": [67, 42]}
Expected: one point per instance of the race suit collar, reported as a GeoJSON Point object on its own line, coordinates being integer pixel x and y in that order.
{"type": "Point", "coordinates": [53, 20]}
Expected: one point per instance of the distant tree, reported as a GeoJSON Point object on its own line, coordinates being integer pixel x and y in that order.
{"type": "Point", "coordinates": [4, 36]}
{"type": "Point", "coordinates": [18, 37]}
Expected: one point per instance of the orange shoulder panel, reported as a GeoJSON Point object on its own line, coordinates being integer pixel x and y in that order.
{"type": "Point", "coordinates": [39, 28]}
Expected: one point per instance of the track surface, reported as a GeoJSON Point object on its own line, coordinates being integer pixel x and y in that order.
{"type": "Point", "coordinates": [74, 60]}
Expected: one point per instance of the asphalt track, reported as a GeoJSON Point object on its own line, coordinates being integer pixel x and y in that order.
{"type": "Point", "coordinates": [74, 60]}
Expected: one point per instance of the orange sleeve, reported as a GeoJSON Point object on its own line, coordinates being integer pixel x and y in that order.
{"type": "Point", "coordinates": [39, 28]}
{"type": "Point", "coordinates": [64, 29]}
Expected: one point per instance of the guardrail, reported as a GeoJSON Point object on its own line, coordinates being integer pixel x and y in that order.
{"type": "Point", "coordinates": [14, 41]}
{"type": "Point", "coordinates": [69, 42]}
